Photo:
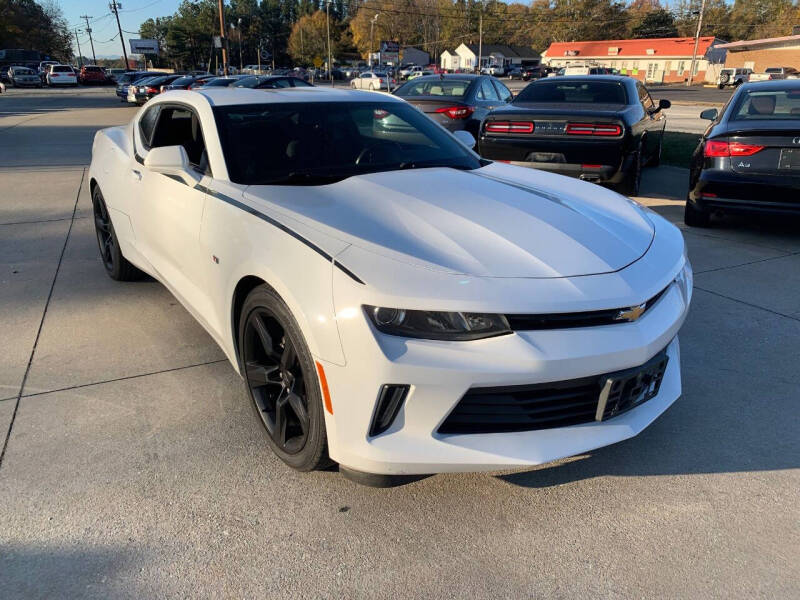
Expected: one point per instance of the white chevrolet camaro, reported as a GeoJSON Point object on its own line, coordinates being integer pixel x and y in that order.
{"type": "Point", "coordinates": [394, 302]}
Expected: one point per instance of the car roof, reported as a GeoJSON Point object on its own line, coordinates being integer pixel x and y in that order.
{"type": "Point", "coordinates": [617, 78]}
{"type": "Point", "coordinates": [462, 76]}
{"type": "Point", "coordinates": [235, 96]}
{"type": "Point", "coordinates": [793, 84]}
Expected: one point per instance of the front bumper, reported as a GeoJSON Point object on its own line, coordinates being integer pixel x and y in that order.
{"type": "Point", "coordinates": [440, 373]}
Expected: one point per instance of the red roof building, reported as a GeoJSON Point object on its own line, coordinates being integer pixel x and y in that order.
{"type": "Point", "coordinates": [660, 60]}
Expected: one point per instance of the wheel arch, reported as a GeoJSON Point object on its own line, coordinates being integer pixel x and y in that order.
{"type": "Point", "coordinates": [243, 287]}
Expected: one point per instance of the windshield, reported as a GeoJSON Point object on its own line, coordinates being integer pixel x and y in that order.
{"type": "Point", "coordinates": [773, 70]}
{"type": "Point", "coordinates": [218, 82]}
{"type": "Point", "coordinates": [22, 71]}
{"type": "Point", "coordinates": [567, 92]}
{"type": "Point", "coordinates": [183, 81]}
{"type": "Point", "coordinates": [434, 87]}
{"type": "Point", "coordinates": [92, 69]}
{"type": "Point", "coordinates": [774, 104]}
{"type": "Point", "coordinates": [323, 142]}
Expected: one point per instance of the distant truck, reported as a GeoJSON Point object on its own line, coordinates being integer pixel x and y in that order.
{"type": "Point", "coordinates": [733, 77]}
{"type": "Point", "coordinates": [776, 73]}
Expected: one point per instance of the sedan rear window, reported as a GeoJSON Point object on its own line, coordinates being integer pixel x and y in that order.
{"type": "Point", "coordinates": [435, 87]}
{"type": "Point", "coordinates": [568, 92]}
{"type": "Point", "coordinates": [767, 105]}
{"type": "Point", "coordinates": [62, 70]}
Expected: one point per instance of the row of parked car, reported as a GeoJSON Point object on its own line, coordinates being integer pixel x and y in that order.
{"type": "Point", "coordinates": [53, 74]}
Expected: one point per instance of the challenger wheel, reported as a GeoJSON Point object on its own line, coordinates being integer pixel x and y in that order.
{"type": "Point", "coordinates": [633, 178]}
{"type": "Point", "coordinates": [282, 380]}
{"type": "Point", "coordinates": [116, 265]}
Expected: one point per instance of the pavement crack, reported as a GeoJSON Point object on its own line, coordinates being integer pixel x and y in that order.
{"type": "Point", "coordinates": [744, 264]}
{"type": "Point", "coordinates": [44, 221]}
{"type": "Point", "coordinates": [41, 322]}
{"type": "Point", "coordinates": [125, 378]}
{"type": "Point", "coordinates": [769, 310]}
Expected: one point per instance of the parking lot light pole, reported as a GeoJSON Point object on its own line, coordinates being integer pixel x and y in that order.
{"type": "Point", "coordinates": [328, 25]}
{"type": "Point", "coordinates": [371, 26]}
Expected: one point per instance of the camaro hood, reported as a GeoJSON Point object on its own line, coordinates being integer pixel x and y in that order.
{"type": "Point", "coordinates": [498, 221]}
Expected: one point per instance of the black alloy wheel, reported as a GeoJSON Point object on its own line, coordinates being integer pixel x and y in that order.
{"type": "Point", "coordinates": [116, 265]}
{"type": "Point", "coordinates": [282, 380]}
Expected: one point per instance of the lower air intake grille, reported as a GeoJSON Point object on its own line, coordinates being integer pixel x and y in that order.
{"type": "Point", "coordinates": [556, 404]}
{"type": "Point", "coordinates": [390, 399]}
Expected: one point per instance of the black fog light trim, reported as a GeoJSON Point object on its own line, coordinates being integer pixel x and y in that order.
{"type": "Point", "coordinates": [390, 399]}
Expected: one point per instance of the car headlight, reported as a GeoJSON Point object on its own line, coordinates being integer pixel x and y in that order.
{"type": "Point", "coordinates": [436, 325]}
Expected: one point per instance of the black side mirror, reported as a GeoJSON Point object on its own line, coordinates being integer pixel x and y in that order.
{"type": "Point", "coordinates": [664, 104]}
{"type": "Point", "coordinates": [709, 114]}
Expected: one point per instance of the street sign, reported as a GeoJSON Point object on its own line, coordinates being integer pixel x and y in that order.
{"type": "Point", "coordinates": [217, 41]}
{"type": "Point", "coordinates": [389, 52]}
{"type": "Point", "coordinates": [318, 61]}
{"type": "Point", "coordinates": [144, 46]}
{"type": "Point", "coordinates": [264, 54]}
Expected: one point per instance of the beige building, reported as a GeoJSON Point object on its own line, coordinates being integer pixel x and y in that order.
{"type": "Point", "coordinates": [762, 54]}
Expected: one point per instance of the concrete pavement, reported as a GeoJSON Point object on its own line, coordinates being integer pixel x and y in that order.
{"type": "Point", "coordinates": [136, 468]}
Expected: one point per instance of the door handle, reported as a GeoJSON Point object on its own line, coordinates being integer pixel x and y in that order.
{"type": "Point", "coordinates": [136, 175]}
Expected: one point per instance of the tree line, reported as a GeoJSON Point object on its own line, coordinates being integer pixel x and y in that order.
{"type": "Point", "coordinates": [29, 25]}
{"type": "Point", "coordinates": [292, 32]}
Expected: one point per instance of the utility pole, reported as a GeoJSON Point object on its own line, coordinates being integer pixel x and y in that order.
{"type": "Point", "coordinates": [223, 37]}
{"type": "Point", "coordinates": [80, 58]}
{"type": "Point", "coordinates": [480, 38]}
{"type": "Point", "coordinates": [328, 24]}
{"type": "Point", "coordinates": [696, 41]}
{"type": "Point", "coordinates": [115, 8]}
{"type": "Point", "coordinates": [89, 31]}
{"type": "Point", "coordinates": [240, 45]}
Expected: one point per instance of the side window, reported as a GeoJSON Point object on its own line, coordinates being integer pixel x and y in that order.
{"type": "Point", "coordinates": [178, 126]}
{"type": "Point", "coordinates": [487, 91]}
{"type": "Point", "coordinates": [283, 83]}
{"type": "Point", "coordinates": [502, 91]}
{"type": "Point", "coordinates": [146, 125]}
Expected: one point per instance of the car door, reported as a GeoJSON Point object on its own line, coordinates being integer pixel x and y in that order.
{"type": "Point", "coordinates": [167, 212]}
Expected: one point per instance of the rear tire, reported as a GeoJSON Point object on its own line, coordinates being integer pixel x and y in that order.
{"type": "Point", "coordinates": [282, 381]}
{"type": "Point", "coordinates": [695, 217]}
{"type": "Point", "coordinates": [633, 178]}
{"type": "Point", "coordinates": [116, 265]}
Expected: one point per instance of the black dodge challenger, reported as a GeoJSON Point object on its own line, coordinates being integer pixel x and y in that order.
{"type": "Point", "coordinates": [748, 160]}
{"type": "Point", "coordinates": [600, 128]}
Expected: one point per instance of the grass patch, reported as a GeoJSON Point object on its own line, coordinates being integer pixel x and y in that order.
{"type": "Point", "coordinates": [678, 148]}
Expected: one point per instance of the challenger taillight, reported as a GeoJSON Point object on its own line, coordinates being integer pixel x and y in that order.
{"type": "Point", "coordinates": [456, 112]}
{"type": "Point", "coordinates": [509, 127]}
{"type": "Point", "coordinates": [721, 149]}
{"type": "Point", "coordinates": [151, 90]}
{"type": "Point", "coordinates": [603, 129]}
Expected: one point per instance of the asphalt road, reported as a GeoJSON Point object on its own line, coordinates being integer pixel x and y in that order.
{"type": "Point", "coordinates": [134, 467]}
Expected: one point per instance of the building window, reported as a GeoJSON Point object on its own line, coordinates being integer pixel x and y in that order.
{"type": "Point", "coordinates": [749, 64]}
{"type": "Point", "coordinates": [681, 67]}
{"type": "Point", "coordinates": [696, 67]}
{"type": "Point", "coordinates": [651, 70]}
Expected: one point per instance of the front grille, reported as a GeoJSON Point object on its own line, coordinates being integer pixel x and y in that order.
{"type": "Point", "coordinates": [555, 404]}
{"type": "Point", "coordinates": [592, 318]}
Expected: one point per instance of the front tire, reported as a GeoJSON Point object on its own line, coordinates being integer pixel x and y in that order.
{"type": "Point", "coordinates": [695, 217]}
{"type": "Point", "coordinates": [282, 381]}
{"type": "Point", "coordinates": [116, 265]}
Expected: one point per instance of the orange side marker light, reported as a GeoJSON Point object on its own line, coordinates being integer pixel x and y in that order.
{"type": "Point", "coordinates": [326, 394]}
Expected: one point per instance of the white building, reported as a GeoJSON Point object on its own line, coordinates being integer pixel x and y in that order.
{"type": "Point", "coordinates": [465, 57]}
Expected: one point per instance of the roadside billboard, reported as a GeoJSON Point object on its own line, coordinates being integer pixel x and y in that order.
{"type": "Point", "coordinates": [144, 46]}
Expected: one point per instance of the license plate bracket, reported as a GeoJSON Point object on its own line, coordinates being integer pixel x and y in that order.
{"type": "Point", "coordinates": [623, 390]}
{"type": "Point", "coordinates": [789, 159]}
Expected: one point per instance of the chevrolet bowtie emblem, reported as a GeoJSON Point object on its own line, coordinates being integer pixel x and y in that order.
{"type": "Point", "coordinates": [632, 313]}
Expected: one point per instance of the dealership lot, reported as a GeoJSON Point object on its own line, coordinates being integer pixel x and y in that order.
{"type": "Point", "coordinates": [135, 468]}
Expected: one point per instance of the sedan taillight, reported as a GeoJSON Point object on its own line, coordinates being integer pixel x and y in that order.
{"type": "Point", "coordinates": [509, 127]}
{"type": "Point", "coordinates": [721, 149]}
{"type": "Point", "coordinates": [606, 129]}
{"type": "Point", "coordinates": [456, 112]}
{"type": "Point", "coordinates": [151, 90]}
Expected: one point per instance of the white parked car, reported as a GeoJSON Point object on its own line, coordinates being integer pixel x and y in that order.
{"type": "Point", "coordinates": [61, 75]}
{"type": "Point", "coordinates": [733, 77]}
{"type": "Point", "coordinates": [372, 81]}
{"type": "Point", "coordinates": [394, 302]}
{"type": "Point", "coordinates": [409, 71]}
